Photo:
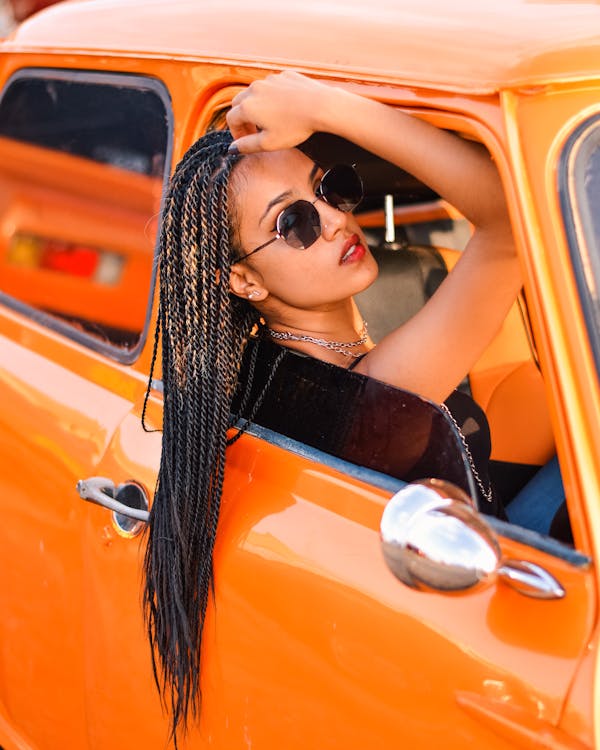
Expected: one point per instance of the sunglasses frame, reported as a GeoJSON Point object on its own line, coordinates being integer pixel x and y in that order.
{"type": "Point", "coordinates": [319, 196]}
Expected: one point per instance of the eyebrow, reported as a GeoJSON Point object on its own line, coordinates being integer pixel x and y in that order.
{"type": "Point", "coordinates": [288, 193]}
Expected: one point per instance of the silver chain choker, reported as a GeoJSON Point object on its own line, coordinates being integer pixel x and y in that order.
{"type": "Point", "coordinates": [487, 494]}
{"type": "Point", "coordinates": [341, 347]}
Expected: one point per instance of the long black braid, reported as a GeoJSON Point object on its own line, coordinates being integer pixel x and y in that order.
{"type": "Point", "coordinates": [204, 331]}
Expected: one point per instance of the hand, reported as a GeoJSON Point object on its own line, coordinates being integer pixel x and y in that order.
{"type": "Point", "coordinates": [277, 112]}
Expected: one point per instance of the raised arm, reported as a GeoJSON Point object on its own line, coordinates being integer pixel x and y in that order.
{"type": "Point", "coordinates": [283, 110]}
{"type": "Point", "coordinates": [433, 351]}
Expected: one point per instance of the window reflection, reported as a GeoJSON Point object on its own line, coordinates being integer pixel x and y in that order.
{"type": "Point", "coordinates": [82, 166]}
{"type": "Point", "coordinates": [579, 185]}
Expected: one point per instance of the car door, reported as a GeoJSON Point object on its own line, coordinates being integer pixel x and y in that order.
{"type": "Point", "coordinates": [311, 640]}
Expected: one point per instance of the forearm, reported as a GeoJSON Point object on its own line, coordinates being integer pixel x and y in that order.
{"type": "Point", "coordinates": [283, 110]}
{"type": "Point", "coordinates": [460, 171]}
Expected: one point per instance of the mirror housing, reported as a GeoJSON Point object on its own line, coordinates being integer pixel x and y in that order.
{"type": "Point", "coordinates": [433, 539]}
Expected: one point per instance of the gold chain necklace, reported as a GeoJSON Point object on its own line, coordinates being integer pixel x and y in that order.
{"type": "Point", "coordinates": [341, 347]}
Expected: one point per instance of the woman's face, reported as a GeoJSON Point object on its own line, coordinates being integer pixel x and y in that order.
{"type": "Point", "coordinates": [336, 266]}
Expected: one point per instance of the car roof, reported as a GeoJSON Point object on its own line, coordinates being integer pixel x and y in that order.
{"type": "Point", "coordinates": [477, 46]}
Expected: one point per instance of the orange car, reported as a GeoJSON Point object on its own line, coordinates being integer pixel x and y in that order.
{"type": "Point", "coordinates": [312, 640]}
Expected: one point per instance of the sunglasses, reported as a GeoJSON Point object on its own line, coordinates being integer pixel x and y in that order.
{"type": "Point", "coordinates": [300, 224]}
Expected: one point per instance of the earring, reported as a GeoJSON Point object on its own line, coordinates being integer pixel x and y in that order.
{"type": "Point", "coordinates": [254, 293]}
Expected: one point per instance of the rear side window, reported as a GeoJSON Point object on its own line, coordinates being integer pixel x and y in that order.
{"type": "Point", "coordinates": [579, 188]}
{"type": "Point", "coordinates": [83, 162]}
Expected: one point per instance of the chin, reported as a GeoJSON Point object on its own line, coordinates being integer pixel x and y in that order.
{"type": "Point", "coordinates": [369, 273]}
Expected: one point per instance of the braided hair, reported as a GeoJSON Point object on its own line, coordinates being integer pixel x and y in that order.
{"type": "Point", "coordinates": [204, 331]}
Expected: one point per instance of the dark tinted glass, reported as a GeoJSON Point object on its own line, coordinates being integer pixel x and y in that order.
{"type": "Point", "coordinates": [82, 166]}
{"type": "Point", "coordinates": [342, 187]}
{"type": "Point", "coordinates": [354, 417]}
{"type": "Point", "coordinates": [299, 224]}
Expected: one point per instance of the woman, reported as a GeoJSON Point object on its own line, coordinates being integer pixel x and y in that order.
{"type": "Point", "coordinates": [423, 356]}
{"type": "Point", "coordinates": [254, 233]}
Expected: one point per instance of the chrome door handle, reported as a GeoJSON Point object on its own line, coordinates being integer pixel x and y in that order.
{"type": "Point", "coordinates": [95, 490]}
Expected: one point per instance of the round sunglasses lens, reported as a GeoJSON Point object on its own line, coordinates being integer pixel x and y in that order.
{"type": "Point", "coordinates": [299, 224]}
{"type": "Point", "coordinates": [342, 187]}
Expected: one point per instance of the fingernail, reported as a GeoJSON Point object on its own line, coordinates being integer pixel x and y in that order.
{"type": "Point", "coordinates": [233, 150]}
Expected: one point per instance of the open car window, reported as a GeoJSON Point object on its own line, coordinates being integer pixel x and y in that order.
{"type": "Point", "coordinates": [416, 238]}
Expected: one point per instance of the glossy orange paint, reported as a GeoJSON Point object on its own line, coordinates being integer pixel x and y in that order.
{"type": "Point", "coordinates": [279, 668]}
{"type": "Point", "coordinates": [311, 641]}
{"type": "Point", "coordinates": [561, 330]}
{"type": "Point", "coordinates": [477, 51]}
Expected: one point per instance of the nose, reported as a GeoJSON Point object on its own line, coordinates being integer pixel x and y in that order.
{"type": "Point", "coordinates": [332, 219]}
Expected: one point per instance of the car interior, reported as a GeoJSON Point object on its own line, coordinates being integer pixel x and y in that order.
{"type": "Point", "coordinates": [416, 238]}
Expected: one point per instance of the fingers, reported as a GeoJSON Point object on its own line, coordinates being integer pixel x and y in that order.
{"type": "Point", "coordinates": [247, 110]}
{"type": "Point", "coordinates": [249, 144]}
{"type": "Point", "coordinates": [239, 122]}
{"type": "Point", "coordinates": [247, 136]}
{"type": "Point", "coordinates": [240, 96]}
{"type": "Point", "coordinates": [272, 113]}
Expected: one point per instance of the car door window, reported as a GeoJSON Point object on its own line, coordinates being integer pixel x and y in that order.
{"type": "Point", "coordinates": [84, 158]}
{"type": "Point", "coordinates": [579, 186]}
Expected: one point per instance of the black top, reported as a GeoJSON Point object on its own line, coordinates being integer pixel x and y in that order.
{"type": "Point", "coordinates": [362, 420]}
{"type": "Point", "coordinates": [356, 360]}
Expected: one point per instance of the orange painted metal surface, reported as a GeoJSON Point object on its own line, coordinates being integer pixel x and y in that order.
{"type": "Point", "coordinates": [311, 641]}
{"type": "Point", "coordinates": [309, 628]}
{"type": "Point", "coordinates": [477, 49]}
{"type": "Point", "coordinates": [560, 329]}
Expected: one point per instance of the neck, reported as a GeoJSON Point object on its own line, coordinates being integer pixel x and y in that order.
{"type": "Point", "coordinates": [342, 321]}
{"type": "Point", "coordinates": [338, 336]}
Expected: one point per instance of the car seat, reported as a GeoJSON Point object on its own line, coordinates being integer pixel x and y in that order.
{"type": "Point", "coordinates": [408, 276]}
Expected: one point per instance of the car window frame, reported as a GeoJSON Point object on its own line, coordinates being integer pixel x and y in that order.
{"type": "Point", "coordinates": [577, 242]}
{"type": "Point", "coordinates": [215, 109]}
{"type": "Point", "coordinates": [131, 80]}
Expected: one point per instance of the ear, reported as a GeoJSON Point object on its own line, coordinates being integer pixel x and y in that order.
{"type": "Point", "coordinates": [246, 283]}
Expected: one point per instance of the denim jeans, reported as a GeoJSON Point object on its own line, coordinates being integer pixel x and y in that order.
{"type": "Point", "coordinates": [535, 505]}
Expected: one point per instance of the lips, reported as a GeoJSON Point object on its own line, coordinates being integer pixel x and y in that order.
{"type": "Point", "coordinates": [352, 251]}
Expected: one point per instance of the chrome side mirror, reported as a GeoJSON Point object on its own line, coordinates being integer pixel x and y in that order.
{"type": "Point", "coordinates": [433, 539]}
